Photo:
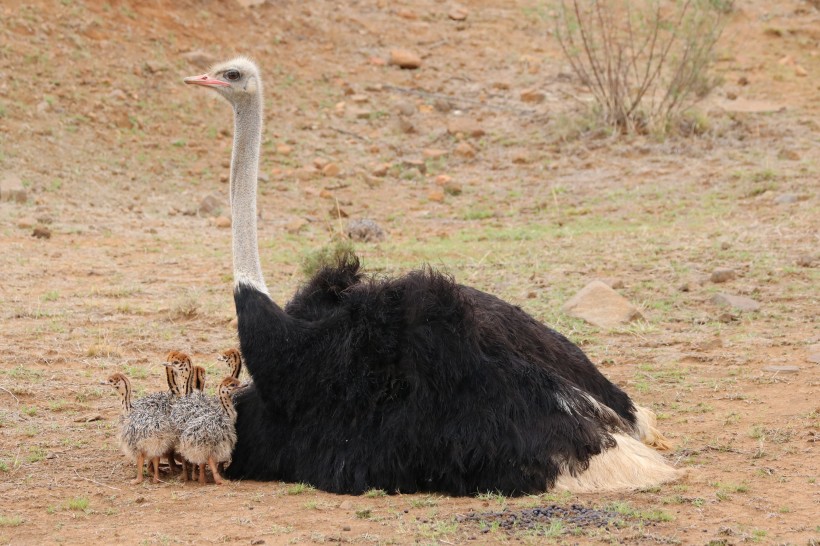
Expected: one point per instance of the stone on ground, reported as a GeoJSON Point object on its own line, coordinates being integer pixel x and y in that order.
{"type": "Point", "coordinates": [11, 189]}
{"type": "Point", "coordinates": [601, 306]}
{"type": "Point", "coordinates": [741, 303]}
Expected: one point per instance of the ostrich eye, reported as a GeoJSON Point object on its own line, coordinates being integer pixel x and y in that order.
{"type": "Point", "coordinates": [233, 75]}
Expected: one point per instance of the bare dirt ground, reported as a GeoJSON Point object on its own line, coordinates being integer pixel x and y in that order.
{"type": "Point", "coordinates": [117, 156]}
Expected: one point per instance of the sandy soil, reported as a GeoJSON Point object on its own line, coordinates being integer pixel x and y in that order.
{"type": "Point", "coordinates": [117, 156]}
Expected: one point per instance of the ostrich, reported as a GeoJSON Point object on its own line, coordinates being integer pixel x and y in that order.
{"type": "Point", "coordinates": [414, 383]}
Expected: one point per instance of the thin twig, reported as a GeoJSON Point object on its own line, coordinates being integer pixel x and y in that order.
{"type": "Point", "coordinates": [96, 482]}
{"type": "Point", "coordinates": [12, 395]}
{"type": "Point", "coordinates": [350, 133]}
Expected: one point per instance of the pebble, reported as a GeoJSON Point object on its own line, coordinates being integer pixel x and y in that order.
{"type": "Point", "coordinates": [211, 205]}
{"type": "Point", "coordinates": [404, 58]}
{"type": "Point", "coordinates": [814, 354]}
{"type": "Point", "coordinates": [26, 222]}
{"type": "Point", "coordinates": [406, 108]}
{"type": "Point", "coordinates": [41, 232]}
{"type": "Point", "coordinates": [532, 96]}
{"type": "Point", "coordinates": [452, 188]}
{"type": "Point", "coordinates": [380, 169]}
{"type": "Point", "coordinates": [436, 196]}
{"type": "Point", "coordinates": [741, 303]}
{"type": "Point", "coordinates": [722, 274]}
{"type": "Point", "coordinates": [222, 222]}
{"type": "Point", "coordinates": [463, 149]}
{"type": "Point", "coordinates": [601, 306]}
{"type": "Point", "coordinates": [12, 189]}
{"type": "Point", "coordinates": [458, 13]}
{"type": "Point", "coordinates": [284, 149]}
{"type": "Point", "coordinates": [574, 515]}
{"type": "Point", "coordinates": [791, 155]}
{"type": "Point", "coordinates": [442, 179]}
{"type": "Point", "coordinates": [806, 260]}
{"type": "Point", "coordinates": [346, 505]}
{"type": "Point", "coordinates": [786, 199]}
{"type": "Point", "coordinates": [434, 153]}
{"type": "Point", "coordinates": [332, 170]}
{"type": "Point", "coordinates": [460, 125]}
{"type": "Point", "coordinates": [366, 230]}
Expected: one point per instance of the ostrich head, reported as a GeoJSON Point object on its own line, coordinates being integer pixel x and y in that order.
{"type": "Point", "coordinates": [181, 364]}
{"type": "Point", "coordinates": [233, 358]}
{"type": "Point", "coordinates": [237, 80]}
{"type": "Point", "coordinates": [118, 381]}
{"type": "Point", "coordinates": [228, 385]}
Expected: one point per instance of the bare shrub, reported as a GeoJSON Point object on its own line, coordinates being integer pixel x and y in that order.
{"type": "Point", "coordinates": [645, 61]}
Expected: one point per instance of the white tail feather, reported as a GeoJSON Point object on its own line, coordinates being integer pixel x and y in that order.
{"type": "Point", "coordinates": [628, 465]}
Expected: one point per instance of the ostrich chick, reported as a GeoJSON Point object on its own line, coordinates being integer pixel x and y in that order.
{"type": "Point", "coordinates": [145, 431]}
{"type": "Point", "coordinates": [233, 358]}
{"type": "Point", "coordinates": [210, 437]}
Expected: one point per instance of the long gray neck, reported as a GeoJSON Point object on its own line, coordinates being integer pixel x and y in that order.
{"type": "Point", "coordinates": [244, 169]}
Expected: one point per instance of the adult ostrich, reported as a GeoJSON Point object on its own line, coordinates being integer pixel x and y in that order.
{"type": "Point", "coordinates": [413, 383]}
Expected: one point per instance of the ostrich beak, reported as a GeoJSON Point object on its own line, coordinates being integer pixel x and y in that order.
{"type": "Point", "coordinates": [205, 80]}
{"type": "Point", "coordinates": [167, 364]}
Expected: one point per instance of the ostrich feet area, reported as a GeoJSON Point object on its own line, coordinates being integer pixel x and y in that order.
{"type": "Point", "coordinates": [481, 161]}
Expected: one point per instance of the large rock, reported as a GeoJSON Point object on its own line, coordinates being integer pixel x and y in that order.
{"type": "Point", "coordinates": [741, 303]}
{"type": "Point", "coordinates": [601, 306]}
{"type": "Point", "coordinates": [11, 189]}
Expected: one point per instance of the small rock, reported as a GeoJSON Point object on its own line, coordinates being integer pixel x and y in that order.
{"type": "Point", "coordinates": [800, 71]}
{"type": "Point", "coordinates": [199, 58]}
{"type": "Point", "coordinates": [532, 96]}
{"type": "Point", "coordinates": [222, 222]}
{"type": "Point", "coordinates": [458, 13]}
{"type": "Point", "coordinates": [295, 225]}
{"type": "Point", "coordinates": [306, 173]}
{"type": "Point", "coordinates": [521, 158]}
{"type": "Point", "coordinates": [790, 155]}
{"type": "Point", "coordinates": [346, 505]}
{"type": "Point", "coordinates": [452, 188]}
{"type": "Point", "coordinates": [433, 153]}
{"type": "Point", "coordinates": [332, 170]}
{"type": "Point", "coordinates": [405, 125]}
{"type": "Point", "coordinates": [714, 343]}
{"type": "Point", "coordinates": [359, 99]}
{"type": "Point", "coordinates": [26, 222]}
{"type": "Point", "coordinates": [338, 212]}
{"type": "Point", "coordinates": [727, 317]}
{"type": "Point", "coordinates": [465, 126]}
{"type": "Point", "coordinates": [601, 306]}
{"type": "Point", "coordinates": [417, 164]}
{"type": "Point", "coordinates": [211, 205]}
{"type": "Point", "coordinates": [501, 85]}
{"type": "Point", "coordinates": [436, 196]}
{"type": "Point", "coordinates": [284, 149]}
{"type": "Point", "coordinates": [12, 189]}
{"type": "Point", "coordinates": [380, 169]}
{"type": "Point", "coordinates": [404, 58]}
{"type": "Point", "coordinates": [442, 179]}
{"type": "Point", "coordinates": [442, 105]}
{"type": "Point", "coordinates": [406, 108]}
{"type": "Point", "coordinates": [781, 369]}
{"type": "Point", "coordinates": [366, 230]}
{"type": "Point", "coordinates": [463, 149]}
{"type": "Point", "coordinates": [257, 541]}
{"type": "Point", "coordinates": [346, 528]}
{"type": "Point", "coordinates": [786, 199]}
{"type": "Point", "coordinates": [41, 232]}
{"type": "Point", "coordinates": [741, 303]}
{"type": "Point", "coordinates": [722, 274]}
{"type": "Point", "coordinates": [743, 81]}
{"type": "Point", "coordinates": [689, 286]}
{"type": "Point", "coordinates": [806, 260]}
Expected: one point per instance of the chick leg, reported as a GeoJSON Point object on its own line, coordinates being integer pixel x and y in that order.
{"type": "Point", "coordinates": [217, 478]}
{"type": "Point", "coordinates": [140, 462]}
{"type": "Point", "coordinates": [155, 462]}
